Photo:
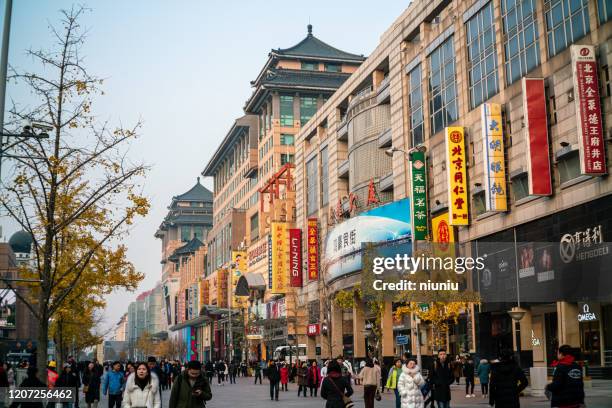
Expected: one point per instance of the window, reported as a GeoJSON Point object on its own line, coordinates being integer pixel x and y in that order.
{"type": "Point", "coordinates": [521, 48]}
{"type": "Point", "coordinates": [482, 60]}
{"type": "Point", "coordinates": [478, 203]}
{"type": "Point", "coordinates": [286, 158]}
{"type": "Point", "coordinates": [311, 186]}
{"type": "Point", "coordinates": [566, 21]}
{"type": "Point", "coordinates": [569, 166]}
{"type": "Point", "coordinates": [287, 140]}
{"type": "Point", "coordinates": [185, 233]}
{"type": "Point", "coordinates": [415, 100]}
{"type": "Point", "coordinates": [286, 110]}
{"type": "Point", "coordinates": [442, 92]}
{"type": "Point", "coordinates": [254, 227]}
{"type": "Point", "coordinates": [310, 66]}
{"type": "Point", "coordinates": [520, 186]}
{"type": "Point", "coordinates": [308, 107]}
{"type": "Point", "coordinates": [198, 232]}
{"type": "Point", "coordinates": [324, 177]}
{"type": "Point", "coordinates": [604, 8]}
{"type": "Point", "coordinates": [333, 67]}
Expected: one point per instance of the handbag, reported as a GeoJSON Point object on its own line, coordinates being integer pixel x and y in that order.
{"type": "Point", "coordinates": [348, 403]}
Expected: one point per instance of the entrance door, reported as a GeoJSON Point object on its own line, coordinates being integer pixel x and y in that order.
{"type": "Point", "coordinates": [590, 342]}
{"type": "Point", "coordinates": [552, 336]}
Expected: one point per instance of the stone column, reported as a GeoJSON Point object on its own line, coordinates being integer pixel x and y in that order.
{"type": "Point", "coordinates": [567, 320]}
{"type": "Point", "coordinates": [337, 347]}
{"type": "Point", "coordinates": [387, 331]}
{"type": "Point", "coordinates": [359, 350]}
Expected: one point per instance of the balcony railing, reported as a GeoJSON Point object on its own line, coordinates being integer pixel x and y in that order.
{"type": "Point", "coordinates": [343, 130]}
{"type": "Point", "coordinates": [384, 139]}
{"type": "Point", "coordinates": [343, 169]}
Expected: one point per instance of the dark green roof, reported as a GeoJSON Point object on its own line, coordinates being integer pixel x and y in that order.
{"type": "Point", "coordinates": [307, 79]}
{"type": "Point", "coordinates": [197, 193]}
{"type": "Point", "coordinates": [311, 46]}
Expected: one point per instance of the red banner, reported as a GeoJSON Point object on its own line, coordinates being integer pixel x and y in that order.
{"type": "Point", "coordinates": [313, 329]}
{"type": "Point", "coordinates": [295, 257]}
{"type": "Point", "coordinates": [538, 156]}
{"type": "Point", "coordinates": [588, 111]}
{"type": "Point", "coordinates": [313, 249]}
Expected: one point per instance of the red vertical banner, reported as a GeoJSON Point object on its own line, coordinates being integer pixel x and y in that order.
{"type": "Point", "coordinates": [588, 111]}
{"type": "Point", "coordinates": [295, 257]}
{"type": "Point", "coordinates": [313, 249]}
{"type": "Point", "coordinates": [538, 150]}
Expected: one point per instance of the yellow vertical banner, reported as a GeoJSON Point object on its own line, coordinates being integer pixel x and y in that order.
{"type": "Point", "coordinates": [493, 157]}
{"type": "Point", "coordinates": [239, 267]}
{"type": "Point", "coordinates": [443, 238]}
{"type": "Point", "coordinates": [222, 290]}
{"type": "Point", "coordinates": [280, 257]}
{"type": "Point", "coordinates": [204, 293]}
{"type": "Point", "coordinates": [457, 176]}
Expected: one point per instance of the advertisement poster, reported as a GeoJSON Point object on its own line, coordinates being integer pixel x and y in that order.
{"type": "Point", "coordinates": [493, 157]}
{"type": "Point", "coordinates": [457, 176]}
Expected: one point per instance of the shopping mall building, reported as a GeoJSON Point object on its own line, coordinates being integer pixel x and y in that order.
{"type": "Point", "coordinates": [510, 102]}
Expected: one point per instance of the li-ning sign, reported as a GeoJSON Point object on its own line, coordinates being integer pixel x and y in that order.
{"type": "Point", "coordinates": [586, 314]}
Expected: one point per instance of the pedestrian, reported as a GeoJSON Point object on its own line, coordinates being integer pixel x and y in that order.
{"type": "Point", "coordinates": [113, 385]}
{"type": "Point", "coordinates": [68, 379]}
{"type": "Point", "coordinates": [258, 373]}
{"type": "Point", "coordinates": [441, 377]}
{"type": "Point", "coordinates": [336, 388]}
{"type": "Point", "coordinates": [284, 377]}
{"type": "Point", "coordinates": [220, 372]}
{"type": "Point", "coordinates": [233, 371]}
{"type": "Point", "coordinates": [457, 367]}
{"type": "Point", "coordinates": [156, 371]}
{"type": "Point", "coordinates": [468, 373]}
{"type": "Point", "coordinates": [31, 381]}
{"type": "Point", "coordinates": [91, 386]}
{"type": "Point", "coordinates": [507, 382]}
{"type": "Point", "coordinates": [324, 370]}
{"type": "Point", "coordinates": [74, 369]}
{"type": "Point", "coordinates": [274, 378]}
{"type": "Point", "coordinates": [409, 386]}
{"type": "Point", "coordinates": [226, 371]}
{"type": "Point", "coordinates": [483, 371]}
{"type": "Point", "coordinates": [362, 365]}
{"type": "Point", "coordinates": [293, 372]}
{"type": "Point", "coordinates": [191, 388]}
{"type": "Point", "coordinates": [567, 387]}
{"type": "Point", "coordinates": [141, 389]}
{"type": "Point", "coordinates": [129, 369]}
{"type": "Point", "coordinates": [302, 380]}
{"type": "Point", "coordinates": [392, 378]}
{"type": "Point", "coordinates": [52, 374]}
{"type": "Point", "coordinates": [314, 378]}
{"type": "Point", "coordinates": [370, 377]}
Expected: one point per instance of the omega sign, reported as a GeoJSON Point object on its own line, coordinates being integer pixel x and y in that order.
{"type": "Point", "coordinates": [586, 315]}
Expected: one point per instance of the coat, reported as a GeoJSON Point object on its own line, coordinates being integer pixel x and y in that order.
{"type": "Point", "coordinates": [113, 383]}
{"type": "Point", "coordinates": [30, 382]}
{"type": "Point", "coordinates": [93, 383]}
{"type": "Point", "coordinates": [147, 397]}
{"type": "Point", "coordinates": [314, 376]}
{"type": "Point", "coordinates": [483, 371]}
{"type": "Point", "coordinates": [409, 387]}
{"type": "Point", "coordinates": [181, 395]}
{"type": "Point", "coordinates": [567, 386]}
{"type": "Point", "coordinates": [284, 375]}
{"type": "Point", "coordinates": [273, 374]}
{"type": "Point", "coordinates": [330, 393]}
{"type": "Point", "coordinates": [441, 378]}
{"type": "Point", "coordinates": [468, 370]}
{"type": "Point", "coordinates": [302, 374]}
{"type": "Point", "coordinates": [507, 382]}
{"type": "Point", "coordinates": [457, 367]}
{"type": "Point", "coordinates": [393, 377]}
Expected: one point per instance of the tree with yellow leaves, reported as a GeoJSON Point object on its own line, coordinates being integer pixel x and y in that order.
{"type": "Point", "coordinates": [77, 192]}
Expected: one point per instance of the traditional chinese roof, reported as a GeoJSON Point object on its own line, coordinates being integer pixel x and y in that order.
{"type": "Point", "coordinates": [312, 80]}
{"type": "Point", "coordinates": [189, 248]}
{"type": "Point", "coordinates": [196, 193]}
{"type": "Point", "coordinates": [312, 47]}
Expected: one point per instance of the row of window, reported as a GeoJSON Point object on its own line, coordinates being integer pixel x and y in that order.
{"type": "Point", "coordinates": [192, 231]}
{"type": "Point", "coordinates": [308, 107]}
{"type": "Point", "coordinates": [314, 66]}
{"type": "Point", "coordinates": [314, 184]}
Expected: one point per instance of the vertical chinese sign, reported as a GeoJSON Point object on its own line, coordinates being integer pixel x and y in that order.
{"type": "Point", "coordinates": [313, 249]}
{"type": "Point", "coordinates": [204, 293]}
{"type": "Point", "coordinates": [280, 257]}
{"type": "Point", "coordinates": [588, 111]}
{"type": "Point", "coordinates": [295, 257]}
{"type": "Point", "coordinates": [493, 157]}
{"type": "Point", "coordinates": [239, 267]}
{"type": "Point", "coordinates": [536, 130]}
{"type": "Point", "coordinates": [457, 176]}
{"type": "Point", "coordinates": [222, 290]}
{"type": "Point", "coordinates": [418, 175]}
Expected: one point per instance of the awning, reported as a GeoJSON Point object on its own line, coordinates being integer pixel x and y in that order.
{"type": "Point", "coordinates": [193, 322]}
{"type": "Point", "coordinates": [249, 281]}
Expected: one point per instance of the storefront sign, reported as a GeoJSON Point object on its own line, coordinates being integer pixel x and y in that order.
{"type": "Point", "coordinates": [582, 245]}
{"type": "Point", "coordinates": [280, 257]}
{"type": "Point", "coordinates": [313, 330]}
{"type": "Point", "coordinates": [536, 137]}
{"type": "Point", "coordinates": [587, 313]}
{"type": "Point", "coordinates": [457, 176]}
{"type": "Point", "coordinates": [254, 332]}
{"type": "Point", "coordinates": [222, 276]}
{"type": "Point", "coordinates": [442, 233]}
{"type": "Point", "coordinates": [401, 340]}
{"type": "Point", "coordinates": [535, 342]}
{"type": "Point", "coordinates": [276, 309]}
{"type": "Point", "coordinates": [313, 249]}
{"type": "Point", "coordinates": [270, 269]}
{"type": "Point", "coordinates": [258, 253]}
{"type": "Point", "coordinates": [239, 268]}
{"type": "Point", "coordinates": [204, 293]}
{"type": "Point", "coordinates": [588, 110]}
{"type": "Point", "coordinates": [493, 157]}
{"type": "Point", "coordinates": [418, 177]}
{"type": "Point", "coordinates": [295, 257]}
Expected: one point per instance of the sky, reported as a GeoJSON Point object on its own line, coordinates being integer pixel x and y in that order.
{"type": "Point", "coordinates": [184, 67]}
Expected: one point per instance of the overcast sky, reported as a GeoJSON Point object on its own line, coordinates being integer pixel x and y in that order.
{"type": "Point", "coordinates": [184, 67]}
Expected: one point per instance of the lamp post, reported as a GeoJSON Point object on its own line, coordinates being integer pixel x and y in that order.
{"type": "Point", "coordinates": [389, 152]}
{"type": "Point", "coordinates": [517, 313]}
{"type": "Point", "coordinates": [367, 332]}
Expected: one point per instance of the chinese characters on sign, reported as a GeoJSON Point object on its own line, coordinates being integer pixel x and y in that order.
{"type": "Point", "coordinates": [345, 239]}
{"type": "Point", "coordinates": [536, 133]}
{"type": "Point", "coordinates": [295, 257]}
{"type": "Point", "coordinates": [457, 176]}
{"type": "Point", "coordinates": [280, 257]}
{"type": "Point", "coordinates": [313, 249]}
{"type": "Point", "coordinates": [418, 174]}
{"type": "Point", "coordinates": [204, 293]}
{"type": "Point", "coordinates": [313, 329]}
{"type": "Point", "coordinates": [588, 110]}
{"type": "Point", "coordinates": [222, 290]}
{"type": "Point", "coordinates": [493, 157]}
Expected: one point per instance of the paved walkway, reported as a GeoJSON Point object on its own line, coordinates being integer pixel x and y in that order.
{"type": "Point", "coordinates": [245, 394]}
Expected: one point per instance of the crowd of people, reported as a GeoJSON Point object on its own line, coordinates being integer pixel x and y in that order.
{"type": "Point", "coordinates": [140, 385]}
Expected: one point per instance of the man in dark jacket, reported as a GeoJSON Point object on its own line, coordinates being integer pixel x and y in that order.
{"type": "Point", "coordinates": [507, 382]}
{"type": "Point", "coordinates": [152, 363]}
{"type": "Point", "coordinates": [210, 370]}
{"type": "Point", "coordinates": [567, 387]}
{"type": "Point", "coordinates": [31, 381]}
{"type": "Point", "coordinates": [273, 375]}
{"type": "Point", "coordinates": [191, 388]}
{"type": "Point", "coordinates": [441, 378]}
{"type": "Point", "coordinates": [335, 386]}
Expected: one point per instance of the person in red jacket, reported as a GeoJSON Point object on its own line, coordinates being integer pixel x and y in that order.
{"type": "Point", "coordinates": [284, 377]}
{"type": "Point", "coordinates": [314, 378]}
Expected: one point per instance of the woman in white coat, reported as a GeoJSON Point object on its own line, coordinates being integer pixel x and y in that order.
{"type": "Point", "coordinates": [409, 386]}
{"type": "Point", "coordinates": [142, 389]}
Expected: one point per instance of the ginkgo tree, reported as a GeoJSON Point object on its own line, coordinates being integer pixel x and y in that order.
{"type": "Point", "coordinates": [77, 192]}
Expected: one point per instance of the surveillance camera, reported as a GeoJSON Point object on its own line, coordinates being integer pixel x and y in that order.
{"type": "Point", "coordinates": [42, 126]}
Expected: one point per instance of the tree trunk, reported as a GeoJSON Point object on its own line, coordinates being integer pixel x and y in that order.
{"type": "Point", "coordinates": [41, 349]}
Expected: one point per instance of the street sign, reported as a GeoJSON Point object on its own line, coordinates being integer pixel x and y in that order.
{"type": "Point", "coordinates": [401, 340]}
{"type": "Point", "coordinates": [424, 307]}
